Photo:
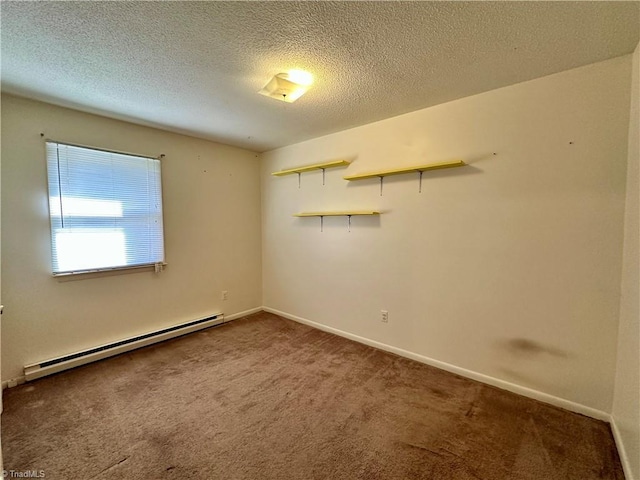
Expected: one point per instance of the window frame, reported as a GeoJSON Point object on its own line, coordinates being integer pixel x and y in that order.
{"type": "Point", "coordinates": [157, 266]}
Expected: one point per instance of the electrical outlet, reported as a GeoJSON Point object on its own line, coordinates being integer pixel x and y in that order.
{"type": "Point", "coordinates": [384, 316]}
{"type": "Point", "coordinates": [225, 295]}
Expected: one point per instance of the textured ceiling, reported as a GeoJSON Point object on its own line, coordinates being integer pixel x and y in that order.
{"type": "Point", "coordinates": [195, 67]}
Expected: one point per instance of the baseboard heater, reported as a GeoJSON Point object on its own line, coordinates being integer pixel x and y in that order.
{"type": "Point", "coordinates": [54, 365]}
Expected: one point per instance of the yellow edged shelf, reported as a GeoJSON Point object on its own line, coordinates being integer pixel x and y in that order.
{"type": "Point", "coordinates": [308, 168]}
{"type": "Point", "coordinates": [399, 171]}
{"type": "Point", "coordinates": [336, 214]}
{"type": "Point", "coordinates": [346, 213]}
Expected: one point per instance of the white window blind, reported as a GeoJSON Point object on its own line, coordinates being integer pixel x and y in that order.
{"type": "Point", "coordinates": [105, 208]}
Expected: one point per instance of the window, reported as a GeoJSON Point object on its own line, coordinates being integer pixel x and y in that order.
{"type": "Point", "coordinates": [105, 208]}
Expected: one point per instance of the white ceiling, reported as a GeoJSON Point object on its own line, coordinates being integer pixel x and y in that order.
{"type": "Point", "coordinates": [195, 67]}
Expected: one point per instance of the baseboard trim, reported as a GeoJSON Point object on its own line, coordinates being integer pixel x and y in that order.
{"type": "Point", "coordinates": [228, 318]}
{"type": "Point", "coordinates": [14, 382]}
{"type": "Point", "coordinates": [622, 452]}
{"type": "Point", "coordinates": [496, 382]}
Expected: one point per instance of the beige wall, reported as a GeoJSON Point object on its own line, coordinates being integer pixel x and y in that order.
{"type": "Point", "coordinates": [626, 405]}
{"type": "Point", "coordinates": [509, 267]}
{"type": "Point", "coordinates": [212, 238]}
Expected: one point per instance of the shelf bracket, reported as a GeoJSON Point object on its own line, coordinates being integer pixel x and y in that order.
{"type": "Point", "coordinates": [321, 223]}
{"type": "Point", "coordinates": [323, 170]}
{"type": "Point", "coordinates": [420, 181]}
{"type": "Point", "coordinates": [349, 227]}
{"type": "Point", "coordinates": [299, 175]}
{"type": "Point", "coordinates": [381, 182]}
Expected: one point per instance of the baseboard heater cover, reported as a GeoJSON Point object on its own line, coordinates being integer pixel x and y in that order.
{"type": "Point", "coordinates": [58, 364]}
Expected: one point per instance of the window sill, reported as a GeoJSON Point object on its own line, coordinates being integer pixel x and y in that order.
{"type": "Point", "coordinates": [108, 272]}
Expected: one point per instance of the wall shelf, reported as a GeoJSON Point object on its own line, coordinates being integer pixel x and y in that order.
{"type": "Point", "coordinates": [420, 169]}
{"type": "Point", "coordinates": [336, 214]}
{"type": "Point", "coordinates": [307, 168]}
{"type": "Point", "coordinates": [349, 214]}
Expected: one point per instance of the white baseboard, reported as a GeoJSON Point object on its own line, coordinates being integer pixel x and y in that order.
{"type": "Point", "coordinates": [228, 318]}
{"type": "Point", "coordinates": [496, 382]}
{"type": "Point", "coordinates": [622, 452]}
{"type": "Point", "coordinates": [14, 382]}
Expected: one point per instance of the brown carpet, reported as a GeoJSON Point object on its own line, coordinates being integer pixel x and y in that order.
{"type": "Point", "coordinates": [266, 398]}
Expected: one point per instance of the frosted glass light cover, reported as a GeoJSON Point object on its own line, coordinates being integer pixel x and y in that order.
{"type": "Point", "coordinates": [283, 87]}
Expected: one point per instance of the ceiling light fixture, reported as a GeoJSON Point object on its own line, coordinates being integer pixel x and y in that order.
{"type": "Point", "coordinates": [288, 87]}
